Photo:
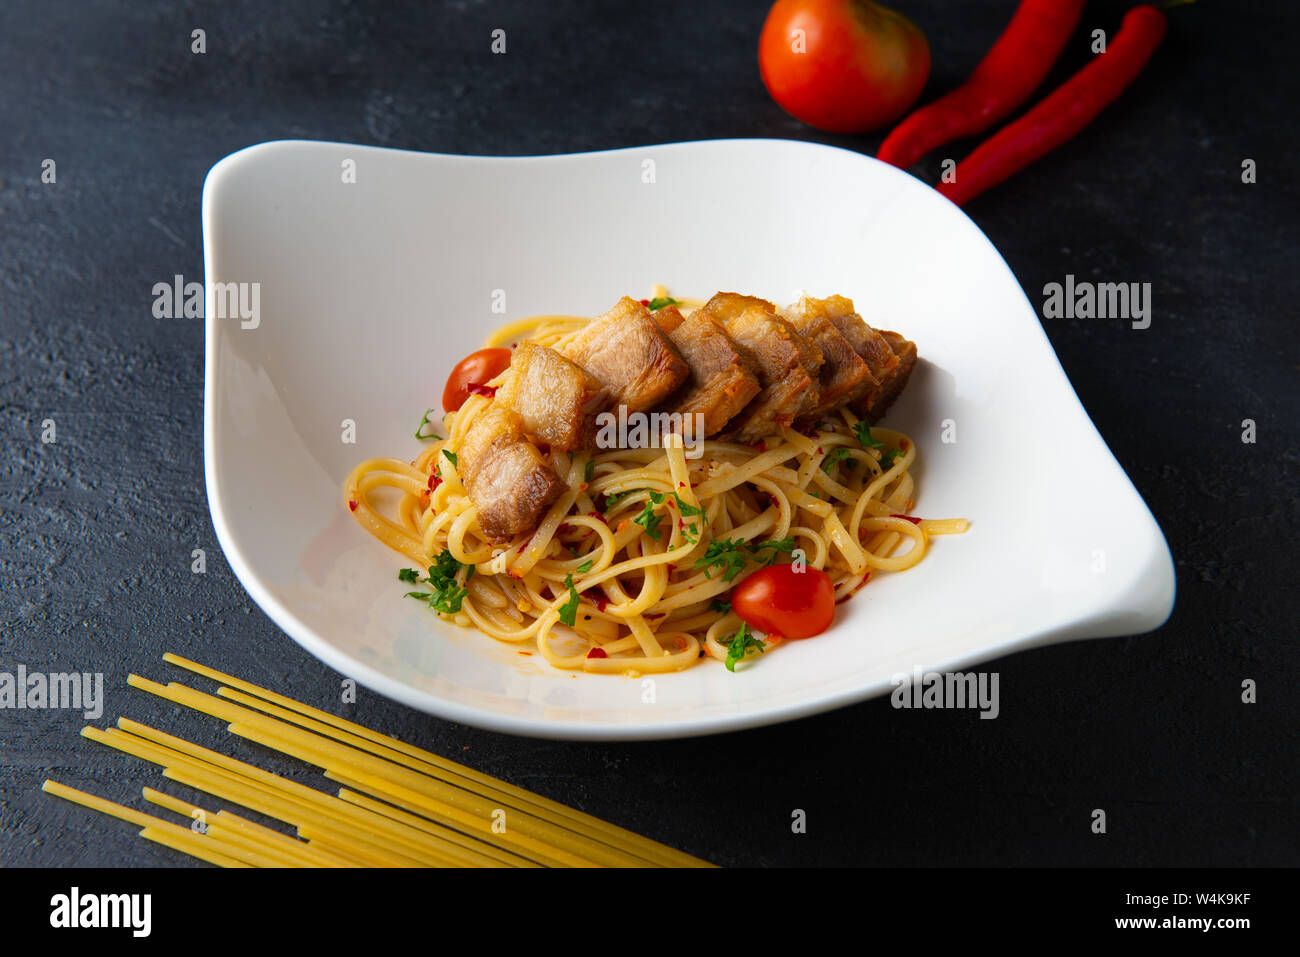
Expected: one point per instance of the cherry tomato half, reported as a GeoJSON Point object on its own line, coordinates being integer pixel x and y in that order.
{"type": "Point", "coordinates": [475, 369]}
{"type": "Point", "coordinates": [785, 600]}
{"type": "Point", "coordinates": [844, 66]}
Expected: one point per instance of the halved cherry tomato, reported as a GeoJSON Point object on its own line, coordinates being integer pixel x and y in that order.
{"type": "Point", "coordinates": [475, 369]}
{"type": "Point", "coordinates": [786, 600]}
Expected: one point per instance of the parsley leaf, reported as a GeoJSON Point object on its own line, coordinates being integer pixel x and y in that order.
{"type": "Point", "coordinates": [649, 520]}
{"type": "Point", "coordinates": [659, 302]}
{"type": "Point", "coordinates": [452, 457]}
{"type": "Point", "coordinates": [726, 555]}
{"type": "Point", "coordinates": [569, 610]}
{"type": "Point", "coordinates": [586, 566]}
{"type": "Point", "coordinates": [865, 438]}
{"type": "Point", "coordinates": [612, 500]}
{"type": "Point", "coordinates": [445, 594]}
{"type": "Point", "coordinates": [887, 460]}
{"type": "Point", "coordinates": [720, 606]}
{"type": "Point", "coordinates": [776, 546]}
{"type": "Point", "coordinates": [837, 454]}
{"type": "Point", "coordinates": [589, 472]}
{"type": "Point", "coordinates": [419, 429]}
{"type": "Point", "coordinates": [686, 508]}
{"type": "Point", "coordinates": [741, 643]}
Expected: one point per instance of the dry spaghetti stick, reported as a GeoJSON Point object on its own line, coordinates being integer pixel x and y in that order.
{"type": "Point", "coordinates": [165, 829]}
{"type": "Point", "coordinates": [294, 808]}
{"type": "Point", "coordinates": [642, 845]}
{"type": "Point", "coordinates": [489, 856]}
{"type": "Point", "coordinates": [526, 834]}
{"type": "Point", "coordinates": [194, 847]}
{"type": "Point", "coordinates": [525, 844]}
{"type": "Point", "coordinates": [494, 795]}
{"type": "Point", "coordinates": [462, 847]}
{"type": "Point", "coordinates": [285, 856]}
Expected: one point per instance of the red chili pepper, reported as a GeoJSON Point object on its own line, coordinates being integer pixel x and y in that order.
{"type": "Point", "coordinates": [908, 518]}
{"type": "Point", "coordinates": [434, 480]}
{"type": "Point", "coordinates": [352, 504]}
{"type": "Point", "coordinates": [1065, 112]}
{"type": "Point", "coordinates": [1004, 79]}
{"type": "Point", "coordinates": [597, 653]}
{"type": "Point", "coordinates": [476, 389]}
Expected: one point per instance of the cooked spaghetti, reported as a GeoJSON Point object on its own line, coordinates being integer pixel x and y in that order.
{"type": "Point", "coordinates": [643, 545]}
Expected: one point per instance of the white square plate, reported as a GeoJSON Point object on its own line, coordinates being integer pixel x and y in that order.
{"type": "Point", "coordinates": [371, 290]}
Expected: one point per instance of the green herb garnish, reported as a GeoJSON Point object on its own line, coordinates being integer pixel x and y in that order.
{"type": "Point", "coordinates": [720, 606]}
{"type": "Point", "coordinates": [569, 610]}
{"type": "Point", "coordinates": [451, 456]}
{"type": "Point", "coordinates": [865, 438]}
{"type": "Point", "coordinates": [589, 472]}
{"type": "Point", "coordinates": [420, 428]}
{"type": "Point", "coordinates": [726, 555]}
{"type": "Point", "coordinates": [659, 302]}
{"type": "Point", "coordinates": [649, 520]}
{"type": "Point", "coordinates": [686, 508]}
{"type": "Point", "coordinates": [445, 593]}
{"type": "Point", "coordinates": [775, 546]}
{"type": "Point", "coordinates": [740, 646]}
{"type": "Point", "coordinates": [837, 454]}
{"type": "Point", "coordinates": [586, 566]}
{"type": "Point", "coordinates": [887, 460]}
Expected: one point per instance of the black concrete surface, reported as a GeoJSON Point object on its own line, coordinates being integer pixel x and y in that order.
{"type": "Point", "coordinates": [97, 529]}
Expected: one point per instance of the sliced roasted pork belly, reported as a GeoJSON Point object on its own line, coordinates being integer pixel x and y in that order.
{"type": "Point", "coordinates": [505, 475]}
{"type": "Point", "coordinates": [556, 400]}
{"type": "Point", "coordinates": [669, 318]}
{"type": "Point", "coordinates": [630, 354]}
{"type": "Point", "coordinates": [787, 363]}
{"type": "Point", "coordinates": [893, 386]}
{"type": "Point", "coordinates": [866, 342]}
{"type": "Point", "coordinates": [844, 375]}
{"type": "Point", "coordinates": [722, 382]}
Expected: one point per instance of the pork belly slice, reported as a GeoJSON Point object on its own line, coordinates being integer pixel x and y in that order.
{"type": "Point", "coordinates": [892, 387]}
{"type": "Point", "coordinates": [866, 342]}
{"type": "Point", "coordinates": [505, 475]}
{"type": "Point", "coordinates": [844, 376]}
{"type": "Point", "coordinates": [787, 363]}
{"type": "Point", "coordinates": [556, 400]}
{"type": "Point", "coordinates": [631, 355]}
{"type": "Point", "coordinates": [669, 318]}
{"type": "Point", "coordinates": [722, 382]}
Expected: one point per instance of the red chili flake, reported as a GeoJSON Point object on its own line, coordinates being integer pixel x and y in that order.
{"type": "Point", "coordinates": [599, 600]}
{"type": "Point", "coordinates": [681, 485]}
{"type": "Point", "coordinates": [434, 480]}
{"type": "Point", "coordinates": [761, 446]}
{"type": "Point", "coordinates": [671, 567]}
{"type": "Point", "coordinates": [526, 654]}
{"type": "Point", "coordinates": [910, 518]}
{"type": "Point", "coordinates": [352, 504]}
{"type": "Point", "coordinates": [597, 653]}
{"type": "Point", "coordinates": [645, 302]}
{"type": "Point", "coordinates": [476, 389]}
{"type": "Point", "coordinates": [597, 513]}
{"type": "Point", "coordinates": [773, 499]}
{"type": "Point", "coordinates": [524, 546]}
{"type": "Point", "coordinates": [819, 450]}
{"type": "Point", "coordinates": [903, 445]}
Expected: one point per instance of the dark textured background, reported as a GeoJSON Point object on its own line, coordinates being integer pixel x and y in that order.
{"type": "Point", "coordinates": [97, 529]}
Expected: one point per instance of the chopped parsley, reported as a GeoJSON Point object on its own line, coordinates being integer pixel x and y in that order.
{"type": "Point", "coordinates": [740, 646]}
{"type": "Point", "coordinates": [686, 508]}
{"type": "Point", "coordinates": [837, 454]}
{"type": "Point", "coordinates": [612, 500]}
{"type": "Point", "coordinates": [660, 302]}
{"type": "Point", "coordinates": [887, 460]}
{"type": "Point", "coordinates": [720, 606]}
{"type": "Point", "coordinates": [776, 546]}
{"type": "Point", "coordinates": [865, 438]}
{"type": "Point", "coordinates": [569, 610]}
{"type": "Point", "coordinates": [419, 429]}
{"type": "Point", "coordinates": [445, 593]}
{"type": "Point", "coordinates": [586, 566]}
{"type": "Point", "coordinates": [589, 472]}
{"type": "Point", "coordinates": [451, 456]}
{"type": "Point", "coordinates": [726, 555]}
{"type": "Point", "coordinates": [649, 520]}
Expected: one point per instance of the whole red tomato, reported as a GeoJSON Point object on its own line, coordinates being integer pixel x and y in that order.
{"type": "Point", "coordinates": [792, 601]}
{"type": "Point", "coordinates": [474, 370]}
{"type": "Point", "coordinates": [843, 66]}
